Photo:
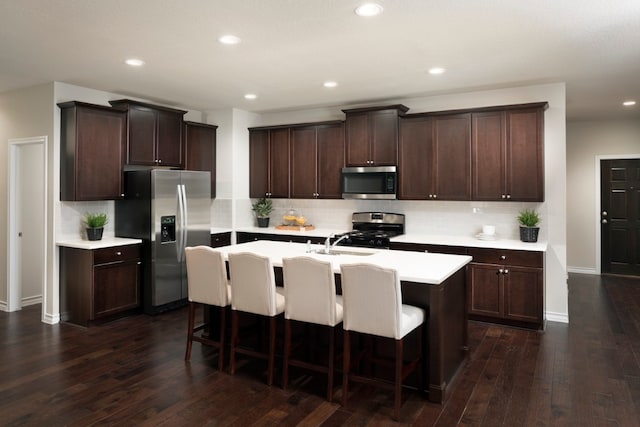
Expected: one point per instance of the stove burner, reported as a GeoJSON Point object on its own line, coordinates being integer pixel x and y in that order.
{"type": "Point", "coordinates": [374, 229]}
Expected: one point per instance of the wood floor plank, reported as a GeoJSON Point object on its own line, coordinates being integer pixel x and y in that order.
{"type": "Point", "coordinates": [132, 372]}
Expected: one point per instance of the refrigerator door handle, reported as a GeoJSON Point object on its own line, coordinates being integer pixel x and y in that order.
{"type": "Point", "coordinates": [180, 233]}
{"type": "Point", "coordinates": [183, 222]}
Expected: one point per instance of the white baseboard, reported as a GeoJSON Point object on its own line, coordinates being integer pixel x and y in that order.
{"type": "Point", "coordinates": [556, 317]}
{"type": "Point", "coordinates": [32, 300]}
{"type": "Point", "coordinates": [582, 270]}
{"type": "Point", "coordinates": [50, 319]}
{"type": "Point", "coordinates": [3, 306]}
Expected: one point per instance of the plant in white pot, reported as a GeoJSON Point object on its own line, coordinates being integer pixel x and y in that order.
{"type": "Point", "coordinates": [95, 223]}
{"type": "Point", "coordinates": [263, 208]}
{"type": "Point", "coordinates": [529, 220]}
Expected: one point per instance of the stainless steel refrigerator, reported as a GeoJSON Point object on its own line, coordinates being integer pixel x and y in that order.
{"type": "Point", "coordinates": [169, 210]}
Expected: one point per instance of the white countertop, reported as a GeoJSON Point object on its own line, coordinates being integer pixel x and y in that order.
{"type": "Point", "coordinates": [106, 242]}
{"type": "Point", "coordinates": [411, 266]}
{"type": "Point", "coordinates": [218, 230]}
{"type": "Point", "coordinates": [471, 242]}
{"type": "Point", "coordinates": [318, 232]}
{"type": "Point", "coordinates": [431, 239]}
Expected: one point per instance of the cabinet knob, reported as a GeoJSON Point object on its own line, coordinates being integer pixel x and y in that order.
{"type": "Point", "coordinates": [500, 271]}
{"type": "Point", "coordinates": [118, 253]}
{"type": "Point", "coordinates": [503, 257]}
{"type": "Point", "coordinates": [604, 221]}
{"type": "Point", "coordinates": [139, 262]}
{"type": "Point", "coordinates": [159, 161]}
{"type": "Point", "coordinates": [435, 196]}
{"type": "Point", "coordinates": [121, 194]}
{"type": "Point", "coordinates": [508, 196]}
{"type": "Point", "coordinates": [506, 271]}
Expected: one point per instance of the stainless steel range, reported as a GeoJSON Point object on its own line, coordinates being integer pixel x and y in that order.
{"type": "Point", "coordinates": [374, 229]}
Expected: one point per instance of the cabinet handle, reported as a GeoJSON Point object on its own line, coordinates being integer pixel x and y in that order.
{"type": "Point", "coordinates": [118, 253]}
{"type": "Point", "coordinates": [508, 196]}
{"type": "Point", "coordinates": [159, 161]}
{"type": "Point", "coordinates": [500, 271]}
{"type": "Point", "coordinates": [121, 194]}
{"type": "Point", "coordinates": [435, 196]}
{"type": "Point", "coordinates": [504, 196]}
{"type": "Point", "coordinates": [139, 262]}
{"type": "Point", "coordinates": [604, 221]}
{"type": "Point", "coordinates": [503, 257]}
{"type": "Point", "coordinates": [506, 271]}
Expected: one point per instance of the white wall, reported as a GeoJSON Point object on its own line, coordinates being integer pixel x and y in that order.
{"type": "Point", "coordinates": [586, 140]}
{"type": "Point", "coordinates": [24, 113]}
{"type": "Point", "coordinates": [455, 217]}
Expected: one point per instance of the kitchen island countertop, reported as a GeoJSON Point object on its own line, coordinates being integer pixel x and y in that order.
{"type": "Point", "coordinates": [416, 267]}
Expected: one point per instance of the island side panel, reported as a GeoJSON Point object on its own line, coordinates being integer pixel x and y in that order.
{"type": "Point", "coordinates": [445, 333]}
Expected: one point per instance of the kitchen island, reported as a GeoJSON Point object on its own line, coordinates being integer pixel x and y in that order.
{"type": "Point", "coordinates": [434, 282]}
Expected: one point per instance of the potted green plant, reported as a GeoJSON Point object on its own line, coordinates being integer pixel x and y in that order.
{"type": "Point", "coordinates": [95, 223]}
{"type": "Point", "coordinates": [529, 220]}
{"type": "Point", "coordinates": [263, 208]}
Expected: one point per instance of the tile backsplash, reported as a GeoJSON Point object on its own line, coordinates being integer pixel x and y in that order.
{"type": "Point", "coordinates": [422, 217]}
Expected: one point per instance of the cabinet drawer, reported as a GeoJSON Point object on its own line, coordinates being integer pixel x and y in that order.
{"type": "Point", "coordinates": [220, 239]}
{"type": "Point", "coordinates": [507, 257]}
{"type": "Point", "coordinates": [115, 254]}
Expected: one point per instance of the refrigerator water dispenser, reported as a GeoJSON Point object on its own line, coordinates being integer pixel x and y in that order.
{"type": "Point", "coordinates": [167, 229]}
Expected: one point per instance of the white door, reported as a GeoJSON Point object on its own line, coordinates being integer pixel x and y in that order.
{"type": "Point", "coordinates": [27, 234]}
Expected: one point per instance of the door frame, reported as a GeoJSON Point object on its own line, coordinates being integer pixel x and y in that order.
{"type": "Point", "coordinates": [598, 207]}
{"type": "Point", "coordinates": [13, 288]}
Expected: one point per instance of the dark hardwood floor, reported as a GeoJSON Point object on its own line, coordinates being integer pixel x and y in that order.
{"type": "Point", "coordinates": [131, 372]}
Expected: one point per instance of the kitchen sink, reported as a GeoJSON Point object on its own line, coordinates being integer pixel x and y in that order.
{"type": "Point", "coordinates": [342, 252]}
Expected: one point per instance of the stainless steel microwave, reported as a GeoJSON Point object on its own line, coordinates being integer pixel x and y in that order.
{"type": "Point", "coordinates": [369, 182]}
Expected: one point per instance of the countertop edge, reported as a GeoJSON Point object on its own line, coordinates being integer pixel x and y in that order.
{"type": "Point", "coordinates": [107, 242]}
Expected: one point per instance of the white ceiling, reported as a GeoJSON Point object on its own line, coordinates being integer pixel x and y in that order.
{"type": "Point", "coordinates": [290, 47]}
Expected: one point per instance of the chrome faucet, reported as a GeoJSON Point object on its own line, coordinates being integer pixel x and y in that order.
{"type": "Point", "coordinates": [328, 246]}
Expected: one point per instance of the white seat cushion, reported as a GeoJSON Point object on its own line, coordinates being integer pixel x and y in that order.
{"type": "Point", "coordinates": [410, 318]}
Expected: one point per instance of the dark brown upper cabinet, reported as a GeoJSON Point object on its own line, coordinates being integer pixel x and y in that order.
{"type": "Point", "coordinates": [154, 134]}
{"type": "Point", "coordinates": [200, 149]}
{"type": "Point", "coordinates": [93, 143]}
{"type": "Point", "coordinates": [269, 163]}
{"type": "Point", "coordinates": [317, 158]}
{"type": "Point", "coordinates": [372, 135]}
{"type": "Point", "coordinates": [435, 157]}
{"type": "Point", "coordinates": [508, 156]}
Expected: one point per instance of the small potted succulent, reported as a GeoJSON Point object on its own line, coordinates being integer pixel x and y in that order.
{"type": "Point", "coordinates": [263, 208]}
{"type": "Point", "coordinates": [95, 223]}
{"type": "Point", "coordinates": [529, 220]}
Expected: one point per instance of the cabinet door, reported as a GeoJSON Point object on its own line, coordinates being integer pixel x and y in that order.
{"type": "Point", "coordinates": [452, 138]}
{"type": "Point", "coordinates": [415, 158]}
{"type": "Point", "coordinates": [525, 157]}
{"type": "Point", "coordinates": [169, 139]}
{"type": "Point", "coordinates": [258, 163]}
{"type": "Point", "coordinates": [523, 294]}
{"type": "Point", "coordinates": [200, 150]}
{"type": "Point", "coordinates": [142, 136]}
{"type": "Point", "coordinates": [116, 287]}
{"type": "Point", "coordinates": [384, 137]}
{"type": "Point", "coordinates": [303, 163]}
{"type": "Point", "coordinates": [489, 157]}
{"type": "Point", "coordinates": [92, 154]}
{"type": "Point", "coordinates": [484, 291]}
{"type": "Point", "coordinates": [358, 143]}
{"type": "Point", "coordinates": [279, 163]}
{"type": "Point", "coordinates": [330, 161]}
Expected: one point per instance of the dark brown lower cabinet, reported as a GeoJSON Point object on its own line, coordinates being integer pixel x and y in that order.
{"type": "Point", "coordinates": [99, 284]}
{"type": "Point", "coordinates": [511, 294]}
{"type": "Point", "coordinates": [244, 237]}
{"type": "Point", "coordinates": [220, 239]}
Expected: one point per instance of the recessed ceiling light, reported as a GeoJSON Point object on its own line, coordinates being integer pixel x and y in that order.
{"type": "Point", "coordinates": [250, 96]}
{"type": "Point", "coordinates": [629, 103]}
{"type": "Point", "coordinates": [134, 62]}
{"type": "Point", "coordinates": [436, 70]}
{"type": "Point", "coordinates": [369, 9]}
{"type": "Point", "coordinates": [330, 84]}
{"type": "Point", "coordinates": [229, 39]}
